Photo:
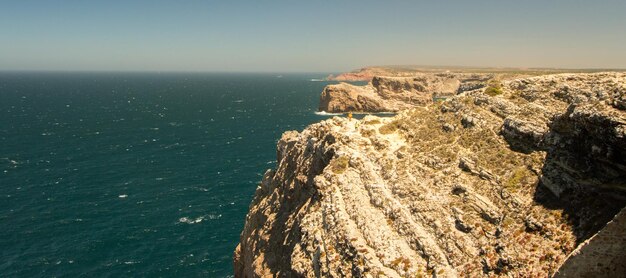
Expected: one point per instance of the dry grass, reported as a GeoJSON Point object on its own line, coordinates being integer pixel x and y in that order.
{"type": "Point", "coordinates": [405, 262]}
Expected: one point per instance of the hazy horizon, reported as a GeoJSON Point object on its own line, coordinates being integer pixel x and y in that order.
{"type": "Point", "coordinates": [282, 36]}
{"type": "Point", "coordinates": [356, 69]}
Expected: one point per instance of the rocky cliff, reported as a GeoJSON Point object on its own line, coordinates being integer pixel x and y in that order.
{"type": "Point", "coordinates": [367, 73]}
{"type": "Point", "coordinates": [502, 180]}
{"type": "Point", "coordinates": [392, 94]}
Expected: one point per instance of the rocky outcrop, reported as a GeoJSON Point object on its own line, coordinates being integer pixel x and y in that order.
{"type": "Point", "coordinates": [502, 182]}
{"type": "Point", "coordinates": [346, 97]}
{"type": "Point", "coordinates": [392, 94]}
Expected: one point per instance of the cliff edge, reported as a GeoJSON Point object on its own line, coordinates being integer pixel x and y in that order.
{"type": "Point", "coordinates": [491, 182]}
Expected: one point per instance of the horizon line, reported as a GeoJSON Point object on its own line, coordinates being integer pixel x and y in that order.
{"type": "Point", "coordinates": [408, 66]}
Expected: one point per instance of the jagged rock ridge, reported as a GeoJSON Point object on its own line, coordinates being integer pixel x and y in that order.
{"type": "Point", "coordinates": [478, 185]}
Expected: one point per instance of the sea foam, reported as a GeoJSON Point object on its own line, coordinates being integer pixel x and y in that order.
{"type": "Point", "coordinates": [324, 113]}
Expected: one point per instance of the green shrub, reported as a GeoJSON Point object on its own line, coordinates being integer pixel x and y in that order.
{"type": "Point", "coordinates": [389, 128]}
{"type": "Point", "coordinates": [340, 164]}
{"type": "Point", "coordinates": [516, 178]}
{"type": "Point", "coordinates": [372, 122]}
{"type": "Point", "coordinates": [494, 89]}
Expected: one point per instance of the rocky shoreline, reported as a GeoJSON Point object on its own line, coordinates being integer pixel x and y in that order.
{"type": "Point", "coordinates": [514, 176]}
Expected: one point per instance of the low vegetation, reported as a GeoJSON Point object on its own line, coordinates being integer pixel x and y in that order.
{"type": "Point", "coordinates": [340, 164]}
{"type": "Point", "coordinates": [372, 122]}
{"type": "Point", "coordinates": [494, 88]}
{"type": "Point", "coordinates": [389, 128]}
{"type": "Point", "coordinates": [517, 178]}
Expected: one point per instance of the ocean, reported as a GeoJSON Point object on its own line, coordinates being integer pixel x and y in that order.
{"type": "Point", "coordinates": [137, 174]}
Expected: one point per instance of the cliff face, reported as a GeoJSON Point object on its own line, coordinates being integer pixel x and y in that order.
{"type": "Point", "coordinates": [346, 97]}
{"type": "Point", "coordinates": [490, 182]}
{"type": "Point", "coordinates": [391, 94]}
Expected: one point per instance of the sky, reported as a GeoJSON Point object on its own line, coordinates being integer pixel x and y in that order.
{"type": "Point", "coordinates": [308, 36]}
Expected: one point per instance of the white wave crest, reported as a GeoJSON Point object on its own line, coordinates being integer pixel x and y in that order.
{"type": "Point", "coordinates": [324, 113]}
{"type": "Point", "coordinates": [190, 220]}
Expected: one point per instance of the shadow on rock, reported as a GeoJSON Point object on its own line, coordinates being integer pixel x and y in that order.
{"type": "Point", "coordinates": [584, 172]}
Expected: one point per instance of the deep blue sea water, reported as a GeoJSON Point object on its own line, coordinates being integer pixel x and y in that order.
{"type": "Point", "coordinates": [137, 174]}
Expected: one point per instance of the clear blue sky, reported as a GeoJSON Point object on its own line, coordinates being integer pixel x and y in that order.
{"type": "Point", "coordinates": [308, 35]}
